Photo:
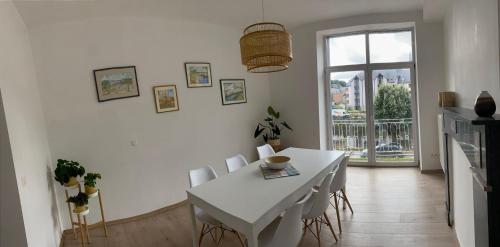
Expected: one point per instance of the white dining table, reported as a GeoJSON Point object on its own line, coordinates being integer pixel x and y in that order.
{"type": "Point", "coordinates": [245, 201]}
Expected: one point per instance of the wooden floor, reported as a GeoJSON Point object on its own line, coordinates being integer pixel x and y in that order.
{"type": "Point", "coordinates": [392, 207]}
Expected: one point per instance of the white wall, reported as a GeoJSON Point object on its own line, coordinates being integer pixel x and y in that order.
{"type": "Point", "coordinates": [11, 233]}
{"type": "Point", "coordinates": [152, 174]}
{"type": "Point", "coordinates": [430, 81]}
{"type": "Point", "coordinates": [472, 65]}
{"type": "Point", "coordinates": [27, 133]}
{"type": "Point", "coordinates": [295, 91]}
{"type": "Point", "coordinates": [472, 52]}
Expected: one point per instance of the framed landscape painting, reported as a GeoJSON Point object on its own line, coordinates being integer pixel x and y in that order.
{"type": "Point", "coordinates": [233, 91]}
{"type": "Point", "coordinates": [116, 83]}
{"type": "Point", "coordinates": [198, 75]}
{"type": "Point", "coordinates": [166, 98]}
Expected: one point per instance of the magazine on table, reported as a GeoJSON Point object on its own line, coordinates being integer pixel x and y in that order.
{"type": "Point", "coordinates": [269, 173]}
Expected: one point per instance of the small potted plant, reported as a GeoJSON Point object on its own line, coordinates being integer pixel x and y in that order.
{"type": "Point", "coordinates": [90, 182]}
{"type": "Point", "coordinates": [67, 171]}
{"type": "Point", "coordinates": [81, 200]}
{"type": "Point", "coordinates": [273, 127]}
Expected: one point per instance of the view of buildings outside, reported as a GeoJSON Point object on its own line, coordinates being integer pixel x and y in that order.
{"type": "Point", "coordinates": [347, 88]}
{"type": "Point", "coordinates": [392, 105]}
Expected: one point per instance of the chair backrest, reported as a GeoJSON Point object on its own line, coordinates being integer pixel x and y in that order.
{"type": "Point", "coordinates": [265, 151]}
{"type": "Point", "coordinates": [320, 200]}
{"type": "Point", "coordinates": [289, 231]}
{"type": "Point", "coordinates": [340, 177]}
{"type": "Point", "coordinates": [201, 175]}
{"type": "Point", "coordinates": [236, 162]}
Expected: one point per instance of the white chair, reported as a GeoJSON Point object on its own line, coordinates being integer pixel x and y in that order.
{"type": "Point", "coordinates": [197, 177]}
{"type": "Point", "coordinates": [338, 187]}
{"type": "Point", "coordinates": [265, 151]}
{"type": "Point", "coordinates": [315, 209]}
{"type": "Point", "coordinates": [285, 230]}
{"type": "Point", "coordinates": [236, 162]}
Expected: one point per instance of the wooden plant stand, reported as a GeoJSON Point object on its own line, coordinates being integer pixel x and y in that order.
{"type": "Point", "coordinates": [103, 220]}
{"type": "Point", "coordinates": [83, 226]}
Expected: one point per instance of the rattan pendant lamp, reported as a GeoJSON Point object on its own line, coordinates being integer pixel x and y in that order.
{"type": "Point", "coordinates": [266, 47]}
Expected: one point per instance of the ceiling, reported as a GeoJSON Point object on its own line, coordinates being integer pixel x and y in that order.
{"type": "Point", "coordinates": [235, 13]}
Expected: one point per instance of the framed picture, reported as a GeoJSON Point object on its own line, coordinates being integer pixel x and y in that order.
{"type": "Point", "coordinates": [116, 83]}
{"type": "Point", "coordinates": [198, 74]}
{"type": "Point", "coordinates": [233, 91]}
{"type": "Point", "coordinates": [166, 98]}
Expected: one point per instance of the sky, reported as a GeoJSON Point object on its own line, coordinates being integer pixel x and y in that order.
{"type": "Point", "coordinates": [387, 73]}
{"type": "Point", "coordinates": [346, 76]}
{"type": "Point", "coordinates": [384, 47]}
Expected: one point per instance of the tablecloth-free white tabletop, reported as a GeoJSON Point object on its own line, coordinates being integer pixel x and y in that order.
{"type": "Point", "coordinates": [246, 202]}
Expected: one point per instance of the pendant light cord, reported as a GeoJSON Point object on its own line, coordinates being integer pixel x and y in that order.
{"type": "Point", "coordinates": [262, 5]}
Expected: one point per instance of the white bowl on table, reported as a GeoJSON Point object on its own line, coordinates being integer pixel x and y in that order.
{"type": "Point", "coordinates": [277, 162]}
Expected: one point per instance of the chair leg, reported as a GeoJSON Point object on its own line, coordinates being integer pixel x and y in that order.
{"type": "Point", "coordinates": [318, 232]}
{"type": "Point", "coordinates": [213, 233]}
{"type": "Point", "coordinates": [305, 228]}
{"type": "Point", "coordinates": [239, 238]}
{"type": "Point", "coordinates": [337, 210]}
{"type": "Point", "coordinates": [347, 201]}
{"type": "Point", "coordinates": [330, 226]}
{"type": "Point", "coordinates": [343, 203]}
{"type": "Point", "coordinates": [221, 236]}
{"type": "Point", "coordinates": [201, 234]}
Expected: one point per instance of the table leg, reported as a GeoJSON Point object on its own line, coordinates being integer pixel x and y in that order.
{"type": "Point", "coordinates": [253, 240]}
{"type": "Point", "coordinates": [193, 225]}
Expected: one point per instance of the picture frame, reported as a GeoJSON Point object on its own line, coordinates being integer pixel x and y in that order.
{"type": "Point", "coordinates": [233, 91]}
{"type": "Point", "coordinates": [166, 99]}
{"type": "Point", "coordinates": [116, 83]}
{"type": "Point", "coordinates": [198, 74]}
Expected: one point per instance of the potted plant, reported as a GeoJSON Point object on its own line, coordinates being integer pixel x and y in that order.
{"type": "Point", "coordinates": [67, 171]}
{"type": "Point", "coordinates": [81, 200]}
{"type": "Point", "coordinates": [89, 181]}
{"type": "Point", "coordinates": [273, 127]}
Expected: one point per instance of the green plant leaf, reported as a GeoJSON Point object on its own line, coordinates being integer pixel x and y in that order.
{"type": "Point", "coordinates": [90, 179]}
{"type": "Point", "coordinates": [66, 169]}
{"type": "Point", "coordinates": [268, 119]}
{"type": "Point", "coordinates": [79, 200]}
{"type": "Point", "coordinates": [276, 131]}
{"type": "Point", "coordinates": [272, 112]}
{"type": "Point", "coordinates": [285, 124]}
{"type": "Point", "coordinates": [265, 137]}
{"type": "Point", "coordinates": [258, 131]}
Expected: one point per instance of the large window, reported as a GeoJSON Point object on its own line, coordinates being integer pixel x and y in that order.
{"type": "Point", "coordinates": [372, 98]}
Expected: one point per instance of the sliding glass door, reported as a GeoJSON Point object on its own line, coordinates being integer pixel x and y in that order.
{"type": "Point", "coordinates": [372, 97]}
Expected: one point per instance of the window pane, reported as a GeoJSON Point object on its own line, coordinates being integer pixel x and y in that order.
{"type": "Point", "coordinates": [349, 113]}
{"type": "Point", "coordinates": [390, 47]}
{"type": "Point", "coordinates": [347, 50]}
{"type": "Point", "coordinates": [393, 115]}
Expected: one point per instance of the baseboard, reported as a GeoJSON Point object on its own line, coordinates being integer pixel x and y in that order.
{"type": "Point", "coordinates": [129, 219]}
{"type": "Point", "coordinates": [433, 171]}
{"type": "Point", "coordinates": [386, 165]}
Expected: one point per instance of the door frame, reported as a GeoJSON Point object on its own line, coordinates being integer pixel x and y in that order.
{"type": "Point", "coordinates": [367, 68]}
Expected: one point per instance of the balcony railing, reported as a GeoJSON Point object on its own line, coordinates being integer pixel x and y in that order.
{"type": "Point", "coordinates": [393, 137]}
